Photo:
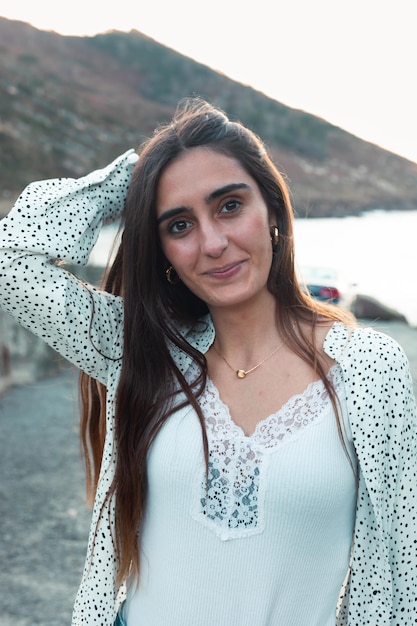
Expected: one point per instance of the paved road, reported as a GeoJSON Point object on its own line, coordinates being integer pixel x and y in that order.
{"type": "Point", "coordinates": [43, 519]}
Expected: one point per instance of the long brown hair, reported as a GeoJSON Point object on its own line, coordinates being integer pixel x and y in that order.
{"type": "Point", "coordinates": [155, 311]}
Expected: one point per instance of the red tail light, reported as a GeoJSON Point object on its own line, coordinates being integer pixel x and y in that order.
{"type": "Point", "coordinates": [329, 293]}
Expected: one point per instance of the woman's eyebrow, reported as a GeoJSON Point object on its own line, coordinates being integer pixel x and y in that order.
{"type": "Point", "coordinates": [169, 213]}
{"type": "Point", "coordinates": [226, 189]}
{"type": "Point", "coordinates": [172, 213]}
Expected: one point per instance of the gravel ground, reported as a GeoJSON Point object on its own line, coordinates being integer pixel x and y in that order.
{"type": "Point", "coordinates": [43, 517]}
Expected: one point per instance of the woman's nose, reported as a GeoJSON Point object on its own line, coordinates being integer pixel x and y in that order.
{"type": "Point", "coordinates": [213, 241]}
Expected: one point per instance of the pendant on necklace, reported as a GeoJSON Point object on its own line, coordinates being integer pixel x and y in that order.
{"type": "Point", "coordinates": [240, 373]}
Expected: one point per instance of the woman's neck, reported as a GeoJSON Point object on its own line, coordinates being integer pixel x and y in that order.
{"type": "Point", "coordinates": [247, 330]}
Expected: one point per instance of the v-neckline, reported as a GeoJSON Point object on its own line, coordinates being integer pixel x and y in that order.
{"type": "Point", "coordinates": [262, 424]}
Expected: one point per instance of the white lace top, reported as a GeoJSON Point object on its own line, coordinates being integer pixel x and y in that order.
{"type": "Point", "coordinates": [287, 493]}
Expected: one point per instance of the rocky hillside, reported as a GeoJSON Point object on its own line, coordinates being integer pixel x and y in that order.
{"type": "Point", "coordinates": [69, 104]}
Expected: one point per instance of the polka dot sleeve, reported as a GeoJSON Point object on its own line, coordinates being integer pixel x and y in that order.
{"type": "Point", "coordinates": [383, 418]}
{"type": "Point", "coordinates": [401, 508]}
{"type": "Point", "coordinates": [60, 219]}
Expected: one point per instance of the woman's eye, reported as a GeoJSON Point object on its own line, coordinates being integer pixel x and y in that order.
{"type": "Point", "coordinates": [230, 206]}
{"type": "Point", "coordinates": [179, 226]}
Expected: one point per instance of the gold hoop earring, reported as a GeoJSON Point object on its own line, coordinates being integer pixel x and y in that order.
{"type": "Point", "coordinates": [172, 276]}
{"type": "Point", "coordinates": [274, 232]}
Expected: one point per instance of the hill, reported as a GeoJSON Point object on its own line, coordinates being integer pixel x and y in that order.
{"type": "Point", "coordinates": [70, 104]}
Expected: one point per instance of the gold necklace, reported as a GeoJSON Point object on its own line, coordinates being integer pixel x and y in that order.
{"type": "Point", "coordinates": [242, 373]}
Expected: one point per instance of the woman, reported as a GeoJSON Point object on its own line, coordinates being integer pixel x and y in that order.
{"type": "Point", "coordinates": [252, 452]}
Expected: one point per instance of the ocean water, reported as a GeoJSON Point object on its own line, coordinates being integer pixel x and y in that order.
{"type": "Point", "coordinates": [376, 251]}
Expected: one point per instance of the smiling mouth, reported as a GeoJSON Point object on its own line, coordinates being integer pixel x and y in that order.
{"type": "Point", "coordinates": [225, 271]}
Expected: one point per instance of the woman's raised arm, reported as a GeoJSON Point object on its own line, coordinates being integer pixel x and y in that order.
{"type": "Point", "coordinates": [60, 219]}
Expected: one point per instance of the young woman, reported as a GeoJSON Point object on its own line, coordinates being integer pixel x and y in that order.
{"type": "Point", "coordinates": [252, 453]}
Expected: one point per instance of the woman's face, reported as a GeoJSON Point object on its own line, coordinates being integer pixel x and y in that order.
{"type": "Point", "coordinates": [214, 228]}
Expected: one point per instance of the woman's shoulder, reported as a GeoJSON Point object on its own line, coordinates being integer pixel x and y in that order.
{"type": "Point", "coordinates": [364, 343]}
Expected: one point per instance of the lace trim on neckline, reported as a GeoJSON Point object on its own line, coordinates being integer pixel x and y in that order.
{"type": "Point", "coordinates": [291, 419]}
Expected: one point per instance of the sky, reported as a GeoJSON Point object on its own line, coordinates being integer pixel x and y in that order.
{"type": "Point", "coordinates": [351, 63]}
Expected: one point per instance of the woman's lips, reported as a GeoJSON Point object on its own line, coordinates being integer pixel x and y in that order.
{"type": "Point", "coordinates": [226, 271]}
